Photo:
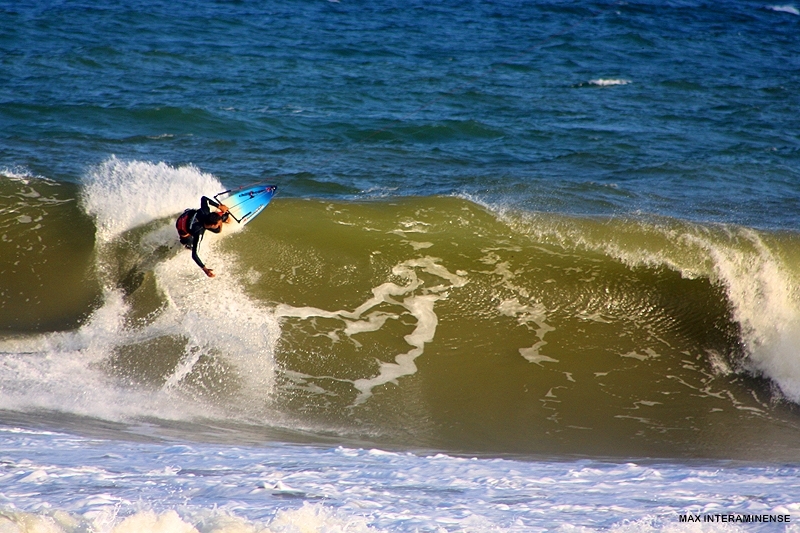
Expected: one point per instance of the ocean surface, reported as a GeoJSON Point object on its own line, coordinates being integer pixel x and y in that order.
{"type": "Point", "coordinates": [532, 266]}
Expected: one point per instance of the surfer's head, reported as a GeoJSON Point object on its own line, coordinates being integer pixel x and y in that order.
{"type": "Point", "coordinates": [213, 222]}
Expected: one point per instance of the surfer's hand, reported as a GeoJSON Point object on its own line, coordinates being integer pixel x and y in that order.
{"type": "Point", "coordinates": [225, 212]}
{"type": "Point", "coordinates": [209, 272]}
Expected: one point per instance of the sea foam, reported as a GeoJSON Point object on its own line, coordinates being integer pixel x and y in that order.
{"type": "Point", "coordinates": [65, 371]}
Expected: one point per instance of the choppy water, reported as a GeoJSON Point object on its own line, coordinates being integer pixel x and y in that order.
{"type": "Point", "coordinates": [561, 234]}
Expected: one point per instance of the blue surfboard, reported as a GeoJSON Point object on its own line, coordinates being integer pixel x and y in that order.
{"type": "Point", "coordinates": [245, 203]}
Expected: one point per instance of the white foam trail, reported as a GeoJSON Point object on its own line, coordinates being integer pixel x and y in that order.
{"type": "Point", "coordinates": [527, 315]}
{"type": "Point", "coordinates": [420, 306]}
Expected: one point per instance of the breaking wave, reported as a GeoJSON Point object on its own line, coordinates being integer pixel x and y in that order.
{"type": "Point", "coordinates": [433, 321]}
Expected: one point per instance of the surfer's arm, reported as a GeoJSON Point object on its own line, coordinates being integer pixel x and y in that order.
{"type": "Point", "coordinates": [204, 201]}
{"type": "Point", "coordinates": [195, 244]}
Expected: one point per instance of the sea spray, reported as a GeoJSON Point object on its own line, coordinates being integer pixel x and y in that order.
{"type": "Point", "coordinates": [122, 195]}
{"type": "Point", "coordinates": [764, 293]}
{"type": "Point", "coordinates": [101, 368]}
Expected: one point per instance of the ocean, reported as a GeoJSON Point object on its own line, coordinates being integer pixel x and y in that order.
{"type": "Point", "coordinates": [532, 266]}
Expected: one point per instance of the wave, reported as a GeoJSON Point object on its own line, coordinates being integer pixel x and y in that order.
{"type": "Point", "coordinates": [438, 322]}
{"type": "Point", "coordinates": [309, 517]}
{"type": "Point", "coordinates": [755, 270]}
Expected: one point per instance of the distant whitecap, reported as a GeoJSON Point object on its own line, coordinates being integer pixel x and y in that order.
{"type": "Point", "coordinates": [785, 9]}
{"type": "Point", "coordinates": [603, 82]}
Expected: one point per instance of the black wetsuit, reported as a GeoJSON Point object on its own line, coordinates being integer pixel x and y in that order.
{"type": "Point", "coordinates": [196, 228]}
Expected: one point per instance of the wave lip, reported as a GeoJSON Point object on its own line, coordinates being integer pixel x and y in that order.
{"type": "Point", "coordinates": [755, 270]}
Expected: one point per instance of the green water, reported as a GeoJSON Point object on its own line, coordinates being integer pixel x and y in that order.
{"type": "Point", "coordinates": [435, 322]}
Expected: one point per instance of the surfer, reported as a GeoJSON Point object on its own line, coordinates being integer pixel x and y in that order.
{"type": "Point", "coordinates": [193, 223]}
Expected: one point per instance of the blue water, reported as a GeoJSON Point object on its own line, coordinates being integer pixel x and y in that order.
{"type": "Point", "coordinates": [683, 111]}
{"type": "Point", "coordinates": [505, 98]}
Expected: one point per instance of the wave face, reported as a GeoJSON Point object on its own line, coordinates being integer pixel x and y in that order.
{"type": "Point", "coordinates": [429, 322]}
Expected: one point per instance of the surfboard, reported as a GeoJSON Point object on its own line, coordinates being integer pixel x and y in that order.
{"type": "Point", "coordinates": [245, 203]}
